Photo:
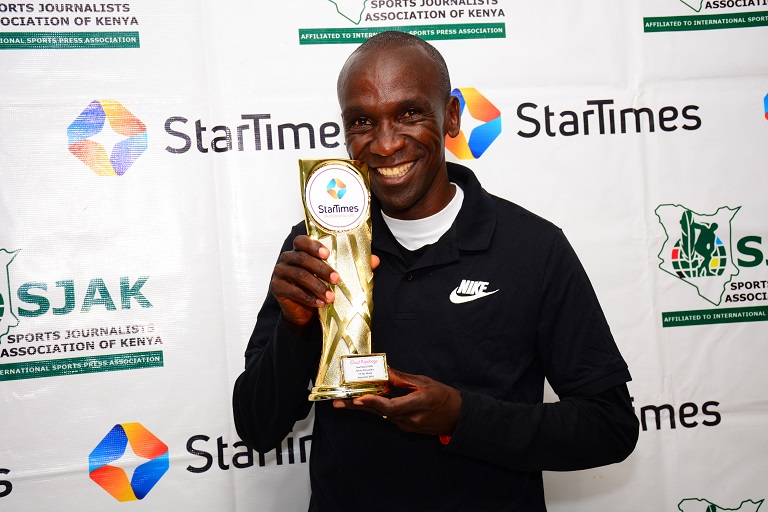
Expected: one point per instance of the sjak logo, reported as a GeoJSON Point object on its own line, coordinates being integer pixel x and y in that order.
{"type": "Point", "coordinates": [481, 135]}
{"type": "Point", "coordinates": [700, 505]}
{"type": "Point", "coordinates": [698, 248]}
{"type": "Point", "coordinates": [127, 138]}
{"type": "Point", "coordinates": [7, 318]}
{"type": "Point", "coordinates": [149, 461]}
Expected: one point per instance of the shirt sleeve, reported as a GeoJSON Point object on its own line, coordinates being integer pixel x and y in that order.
{"type": "Point", "coordinates": [270, 395]}
{"type": "Point", "coordinates": [593, 423]}
{"type": "Point", "coordinates": [577, 432]}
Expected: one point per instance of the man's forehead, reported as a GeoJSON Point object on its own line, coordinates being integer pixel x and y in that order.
{"type": "Point", "coordinates": [401, 56]}
{"type": "Point", "coordinates": [408, 69]}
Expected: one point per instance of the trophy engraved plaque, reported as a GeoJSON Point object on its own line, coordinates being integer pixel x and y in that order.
{"type": "Point", "coordinates": [337, 199]}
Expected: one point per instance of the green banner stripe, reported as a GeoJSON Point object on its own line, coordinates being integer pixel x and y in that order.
{"type": "Point", "coordinates": [78, 365]}
{"type": "Point", "coordinates": [705, 22]}
{"type": "Point", "coordinates": [358, 35]}
{"type": "Point", "coordinates": [67, 40]}
{"type": "Point", "coordinates": [714, 316]}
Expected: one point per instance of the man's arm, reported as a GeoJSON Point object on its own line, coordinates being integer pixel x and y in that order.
{"type": "Point", "coordinates": [283, 352]}
{"type": "Point", "coordinates": [271, 394]}
{"type": "Point", "coordinates": [578, 432]}
{"type": "Point", "coordinates": [593, 424]}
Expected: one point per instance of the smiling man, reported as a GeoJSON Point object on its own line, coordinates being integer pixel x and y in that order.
{"type": "Point", "coordinates": [478, 301]}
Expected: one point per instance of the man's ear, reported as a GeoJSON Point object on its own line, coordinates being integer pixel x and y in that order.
{"type": "Point", "coordinates": [452, 116]}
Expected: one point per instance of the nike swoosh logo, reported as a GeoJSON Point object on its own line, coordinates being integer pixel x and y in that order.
{"type": "Point", "coordinates": [461, 299]}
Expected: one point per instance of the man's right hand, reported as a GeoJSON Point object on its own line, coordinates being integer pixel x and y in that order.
{"type": "Point", "coordinates": [300, 283]}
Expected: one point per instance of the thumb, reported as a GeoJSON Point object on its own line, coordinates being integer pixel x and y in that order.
{"type": "Point", "coordinates": [401, 379]}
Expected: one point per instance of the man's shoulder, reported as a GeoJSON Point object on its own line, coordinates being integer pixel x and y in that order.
{"type": "Point", "coordinates": [506, 210]}
{"type": "Point", "coordinates": [509, 211]}
{"type": "Point", "coordinates": [522, 227]}
{"type": "Point", "coordinates": [507, 220]}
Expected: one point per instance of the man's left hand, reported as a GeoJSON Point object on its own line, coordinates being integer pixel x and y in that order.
{"type": "Point", "coordinates": [431, 408]}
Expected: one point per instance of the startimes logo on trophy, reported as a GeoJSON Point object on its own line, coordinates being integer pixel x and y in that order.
{"type": "Point", "coordinates": [337, 201]}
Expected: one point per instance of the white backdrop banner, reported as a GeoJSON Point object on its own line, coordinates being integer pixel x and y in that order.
{"type": "Point", "coordinates": [148, 165]}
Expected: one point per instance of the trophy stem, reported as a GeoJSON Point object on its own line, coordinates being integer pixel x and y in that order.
{"type": "Point", "coordinates": [337, 212]}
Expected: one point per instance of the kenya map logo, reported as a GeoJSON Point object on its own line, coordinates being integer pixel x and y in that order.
{"type": "Point", "coordinates": [700, 505]}
{"type": "Point", "coordinates": [7, 318]}
{"type": "Point", "coordinates": [694, 4]}
{"type": "Point", "coordinates": [351, 9]}
{"type": "Point", "coordinates": [698, 248]}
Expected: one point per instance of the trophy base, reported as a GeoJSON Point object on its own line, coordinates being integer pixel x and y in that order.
{"type": "Point", "coordinates": [348, 391]}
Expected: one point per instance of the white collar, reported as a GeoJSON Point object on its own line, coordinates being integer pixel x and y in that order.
{"type": "Point", "coordinates": [415, 234]}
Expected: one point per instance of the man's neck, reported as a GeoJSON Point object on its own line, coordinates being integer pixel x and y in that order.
{"type": "Point", "coordinates": [414, 234]}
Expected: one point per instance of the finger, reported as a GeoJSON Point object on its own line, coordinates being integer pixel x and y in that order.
{"type": "Point", "coordinates": [340, 403]}
{"type": "Point", "coordinates": [375, 404]}
{"type": "Point", "coordinates": [311, 246]}
{"type": "Point", "coordinates": [311, 263]}
{"type": "Point", "coordinates": [304, 245]}
{"type": "Point", "coordinates": [375, 260]}
{"type": "Point", "coordinates": [287, 294]}
{"type": "Point", "coordinates": [356, 404]}
{"type": "Point", "coordinates": [405, 380]}
{"type": "Point", "coordinates": [298, 284]}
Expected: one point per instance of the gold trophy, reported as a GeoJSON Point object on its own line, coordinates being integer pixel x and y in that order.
{"type": "Point", "coordinates": [337, 201]}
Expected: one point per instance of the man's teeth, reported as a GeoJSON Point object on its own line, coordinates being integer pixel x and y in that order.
{"type": "Point", "coordinates": [393, 172]}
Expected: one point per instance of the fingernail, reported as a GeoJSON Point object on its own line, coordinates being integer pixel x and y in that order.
{"type": "Point", "coordinates": [335, 277]}
{"type": "Point", "coordinates": [329, 296]}
{"type": "Point", "coordinates": [323, 252]}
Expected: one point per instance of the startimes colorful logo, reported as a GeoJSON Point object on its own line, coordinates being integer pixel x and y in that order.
{"type": "Point", "coordinates": [481, 136]}
{"type": "Point", "coordinates": [148, 449]}
{"type": "Point", "coordinates": [765, 106]}
{"type": "Point", "coordinates": [336, 188]}
{"type": "Point", "coordinates": [125, 138]}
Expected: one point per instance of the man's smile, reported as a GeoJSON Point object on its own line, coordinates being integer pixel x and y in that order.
{"type": "Point", "coordinates": [394, 172]}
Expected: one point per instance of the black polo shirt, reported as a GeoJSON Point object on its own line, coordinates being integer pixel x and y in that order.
{"type": "Point", "coordinates": [493, 308]}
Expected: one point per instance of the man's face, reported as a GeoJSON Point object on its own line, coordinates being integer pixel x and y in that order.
{"type": "Point", "coordinates": [395, 120]}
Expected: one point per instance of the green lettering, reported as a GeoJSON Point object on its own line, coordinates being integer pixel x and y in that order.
{"type": "Point", "coordinates": [43, 304]}
{"type": "Point", "coordinates": [97, 285]}
{"type": "Point", "coordinates": [69, 297]}
{"type": "Point", "coordinates": [134, 291]}
{"type": "Point", "coordinates": [756, 253]}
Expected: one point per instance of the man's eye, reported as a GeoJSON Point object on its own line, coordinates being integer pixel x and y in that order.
{"type": "Point", "coordinates": [361, 121]}
{"type": "Point", "coordinates": [411, 112]}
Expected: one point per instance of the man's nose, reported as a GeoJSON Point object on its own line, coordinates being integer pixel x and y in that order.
{"type": "Point", "coordinates": [386, 140]}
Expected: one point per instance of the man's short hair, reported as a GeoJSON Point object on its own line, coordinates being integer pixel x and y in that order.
{"type": "Point", "coordinates": [391, 40]}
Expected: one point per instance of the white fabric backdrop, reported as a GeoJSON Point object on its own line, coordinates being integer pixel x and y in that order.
{"type": "Point", "coordinates": [164, 267]}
